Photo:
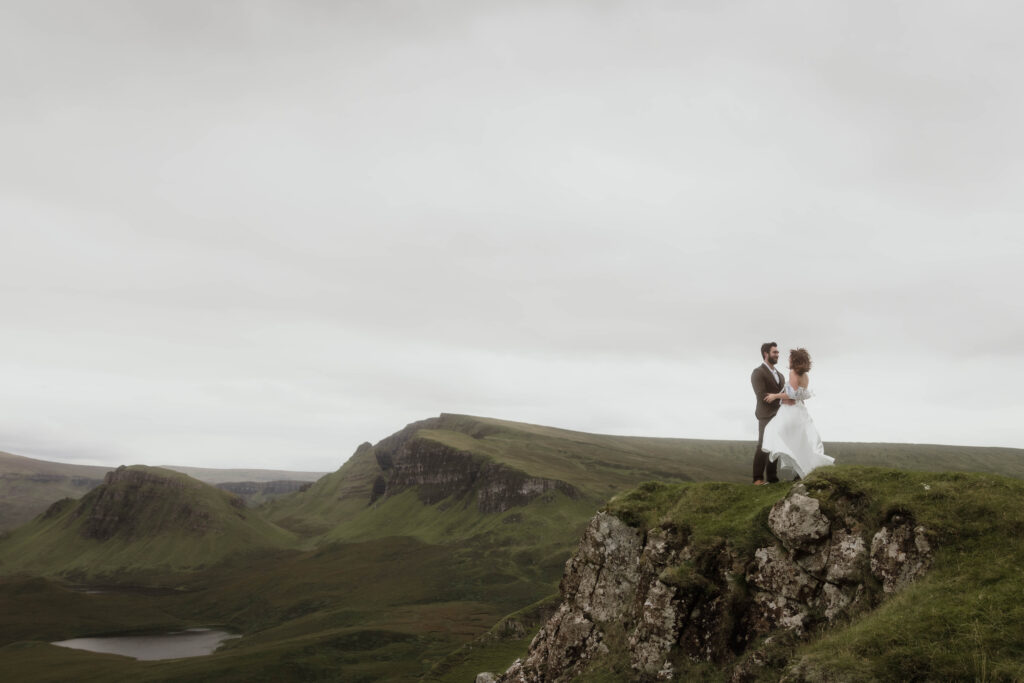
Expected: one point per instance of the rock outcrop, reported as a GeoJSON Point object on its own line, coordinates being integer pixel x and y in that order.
{"type": "Point", "coordinates": [438, 471]}
{"type": "Point", "coordinates": [661, 601]}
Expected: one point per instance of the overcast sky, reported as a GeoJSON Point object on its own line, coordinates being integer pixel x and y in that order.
{"type": "Point", "coordinates": [257, 234]}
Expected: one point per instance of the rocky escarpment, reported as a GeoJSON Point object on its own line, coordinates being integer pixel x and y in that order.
{"type": "Point", "coordinates": [133, 503]}
{"type": "Point", "coordinates": [439, 471]}
{"type": "Point", "coordinates": [656, 601]}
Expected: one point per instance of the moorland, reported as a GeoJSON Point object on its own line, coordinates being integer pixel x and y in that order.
{"type": "Point", "coordinates": [430, 555]}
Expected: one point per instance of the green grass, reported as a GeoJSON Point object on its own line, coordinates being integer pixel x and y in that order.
{"type": "Point", "coordinates": [399, 590]}
{"type": "Point", "coordinates": [964, 620]}
{"type": "Point", "coordinates": [495, 650]}
{"type": "Point", "coordinates": [168, 522]}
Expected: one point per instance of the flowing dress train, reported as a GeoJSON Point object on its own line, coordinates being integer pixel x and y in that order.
{"type": "Point", "coordinates": [791, 437]}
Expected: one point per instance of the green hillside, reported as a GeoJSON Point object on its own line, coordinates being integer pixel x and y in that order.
{"type": "Point", "coordinates": [140, 519]}
{"type": "Point", "coordinates": [598, 466]}
{"type": "Point", "coordinates": [29, 486]}
{"type": "Point", "coordinates": [381, 570]}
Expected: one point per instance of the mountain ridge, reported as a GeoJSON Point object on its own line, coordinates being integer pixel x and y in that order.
{"type": "Point", "coordinates": [372, 578]}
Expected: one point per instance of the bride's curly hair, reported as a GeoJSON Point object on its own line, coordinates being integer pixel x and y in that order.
{"type": "Point", "coordinates": [799, 360]}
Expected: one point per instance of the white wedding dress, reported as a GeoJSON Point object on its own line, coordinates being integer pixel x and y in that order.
{"type": "Point", "coordinates": [791, 438]}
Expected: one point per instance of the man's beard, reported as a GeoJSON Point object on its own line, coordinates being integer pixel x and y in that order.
{"type": "Point", "coordinates": [773, 361]}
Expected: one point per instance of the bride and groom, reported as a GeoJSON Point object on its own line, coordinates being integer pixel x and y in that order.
{"type": "Point", "coordinates": [786, 434]}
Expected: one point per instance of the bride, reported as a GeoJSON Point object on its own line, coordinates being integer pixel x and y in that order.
{"type": "Point", "coordinates": [791, 437]}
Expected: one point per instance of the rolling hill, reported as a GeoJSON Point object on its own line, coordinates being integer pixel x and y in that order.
{"type": "Point", "coordinates": [140, 519]}
{"type": "Point", "coordinates": [28, 486]}
{"type": "Point", "coordinates": [416, 546]}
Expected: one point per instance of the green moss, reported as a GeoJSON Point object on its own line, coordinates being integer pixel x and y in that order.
{"type": "Point", "coordinates": [708, 511]}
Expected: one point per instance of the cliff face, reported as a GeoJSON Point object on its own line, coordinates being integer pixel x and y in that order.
{"type": "Point", "coordinates": [439, 471]}
{"type": "Point", "coordinates": [659, 601]}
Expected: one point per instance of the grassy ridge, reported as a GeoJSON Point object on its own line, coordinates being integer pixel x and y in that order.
{"type": "Point", "coordinates": [388, 591]}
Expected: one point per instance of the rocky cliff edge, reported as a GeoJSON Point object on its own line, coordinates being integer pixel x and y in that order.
{"type": "Point", "coordinates": [662, 601]}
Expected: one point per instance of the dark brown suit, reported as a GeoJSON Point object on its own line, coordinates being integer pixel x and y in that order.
{"type": "Point", "coordinates": [763, 382]}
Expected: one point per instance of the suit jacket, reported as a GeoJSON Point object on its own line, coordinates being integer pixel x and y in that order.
{"type": "Point", "coordinates": [763, 382]}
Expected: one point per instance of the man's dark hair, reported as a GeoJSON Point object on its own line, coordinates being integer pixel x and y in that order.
{"type": "Point", "coordinates": [766, 347]}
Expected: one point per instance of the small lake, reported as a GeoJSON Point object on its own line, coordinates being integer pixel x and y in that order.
{"type": "Point", "coordinates": [195, 642]}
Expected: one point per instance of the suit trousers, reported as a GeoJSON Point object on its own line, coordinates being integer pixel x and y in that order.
{"type": "Point", "coordinates": [762, 465]}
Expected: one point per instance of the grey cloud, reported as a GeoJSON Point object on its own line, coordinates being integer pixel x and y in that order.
{"type": "Point", "coordinates": [318, 221]}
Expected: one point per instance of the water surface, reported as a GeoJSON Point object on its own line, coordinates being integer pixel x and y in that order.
{"type": "Point", "coordinates": [195, 642]}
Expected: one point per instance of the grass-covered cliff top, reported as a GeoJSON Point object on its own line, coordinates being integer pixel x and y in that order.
{"type": "Point", "coordinates": [964, 620]}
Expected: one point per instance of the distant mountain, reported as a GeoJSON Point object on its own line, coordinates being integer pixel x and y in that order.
{"type": "Point", "coordinates": [258, 492]}
{"type": "Point", "coordinates": [29, 486]}
{"type": "Point", "coordinates": [140, 518]}
{"type": "Point", "coordinates": [216, 476]}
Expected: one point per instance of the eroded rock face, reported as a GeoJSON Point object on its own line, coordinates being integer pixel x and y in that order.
{"type": "Point", "coordinates": [438, 471]}
{"type": "Point", "coordinates": [797, 520]}
{"type": "Point", "coordinates": [656, 598]}
{"type": "Point", "coordinates": [900, 553]}
{"type": "Point", "coordinates": [599, 585]}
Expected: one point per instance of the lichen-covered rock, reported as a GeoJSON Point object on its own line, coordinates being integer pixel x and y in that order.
{"type": "Point", "coordinates": [783, 591]}
{"type": "Point", "coordinates": [656, 632]}
{"type": "Point", "coordinates": [797, 519]}
{"type": "Point", "coordinates": [485, 677]}
{"type": "Point", "coordinates": [602, 577]}
{"type": "Point", "coordinates": [599, 586]}
{"type": "Point", "coordinates": [899, 554]}
{"type": "Point", "coordinates": [562, 648]}
{"type": "Point", "coordinates": [775, 573]}
{"type": "Point", "coordinates": [656, 599]}
{"type": "Point", "coordinates": [847, 557]}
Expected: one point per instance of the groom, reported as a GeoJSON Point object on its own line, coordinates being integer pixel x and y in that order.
{"type": "Point", "coordinates": [765, 379]}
